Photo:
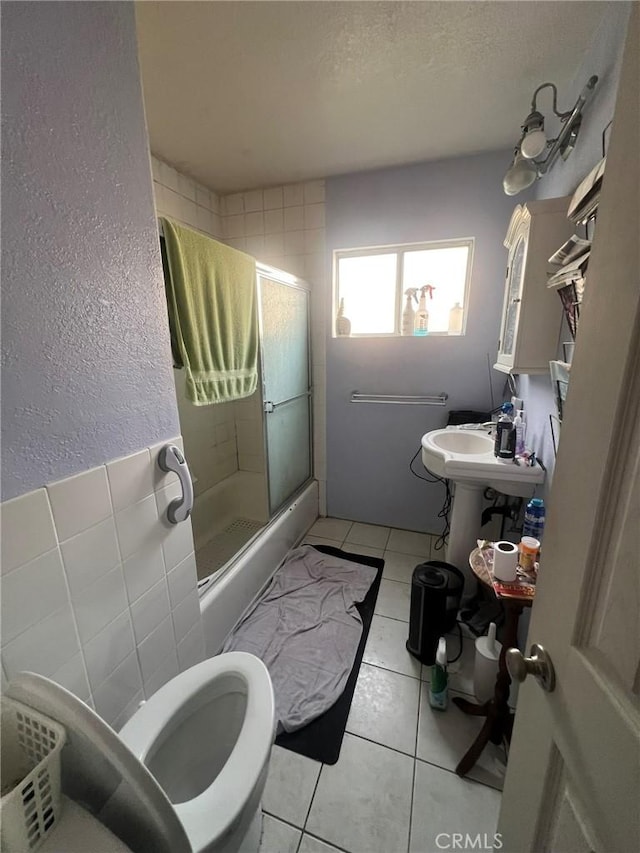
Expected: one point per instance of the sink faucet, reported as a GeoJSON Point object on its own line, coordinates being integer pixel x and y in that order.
{"type": "Point", "coordinates": [487, 425]}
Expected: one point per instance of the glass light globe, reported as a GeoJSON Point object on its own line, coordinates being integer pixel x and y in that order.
{"type": "Point", "coordinates": [533, 144]}
{"type": "Point", "coordinates": [520, 176]}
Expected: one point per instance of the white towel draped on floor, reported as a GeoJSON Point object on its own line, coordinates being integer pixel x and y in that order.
{"type": "Point", "coordinates": [306, 629]}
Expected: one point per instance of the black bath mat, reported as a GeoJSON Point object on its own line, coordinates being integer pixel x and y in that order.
{"type": "Point", "coordinates": [321, 739]}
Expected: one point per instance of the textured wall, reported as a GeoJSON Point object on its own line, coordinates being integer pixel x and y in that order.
{"type": "Point", "coordinates": [369, 446]}
{"type": "Point", "coordinates": [603, 58]}
{"type": "Point", "coordinates": [86, 362]}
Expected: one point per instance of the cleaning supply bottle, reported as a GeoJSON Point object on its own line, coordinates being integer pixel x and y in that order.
{"type": "Point", "coordinates": [343, 324]}
{"type": "Point", "coordinates": [455, 319]}
{"type": "Point", "coordinates": [409, 314]}
{"type": "Point", "coordinates": [485, 669]}
{"type": "Point", "coordinates": [438, 688]}
{"type": "Point", "coordinates": [505, 443]}
{"type": "Point", "coordinates": [520, 428]}
{"type": "Point", "coordinates": [421, 322]}
{"type": "Point", "coordinates": [534, 518]}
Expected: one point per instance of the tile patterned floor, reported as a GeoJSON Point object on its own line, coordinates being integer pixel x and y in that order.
{"type": "Point", "coordinates": [394, 787]}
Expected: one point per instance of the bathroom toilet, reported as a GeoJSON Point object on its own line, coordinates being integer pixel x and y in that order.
{"type": "Point", "coordinates": [187, 772]}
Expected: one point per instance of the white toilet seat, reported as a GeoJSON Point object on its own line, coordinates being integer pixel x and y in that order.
{"type": "Point", "coordinates": [106, 772]}
{"type": "Point", "coordinates": [211, 814]}
{"type": "Point", "coordinates": [100, 772]}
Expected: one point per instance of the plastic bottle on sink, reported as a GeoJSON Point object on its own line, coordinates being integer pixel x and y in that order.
{"type": "Point", "coordinates": [520, 428]}
{"type": "Point", "coordinates": [505, 443]}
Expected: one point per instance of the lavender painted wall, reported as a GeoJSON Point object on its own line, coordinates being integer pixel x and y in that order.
{"type": "Point", "coordinates": [603, 58]}
{"type": "Point", "coordinates": [86, 362]}
{"type": "Point", "coordinates": [369, 446]}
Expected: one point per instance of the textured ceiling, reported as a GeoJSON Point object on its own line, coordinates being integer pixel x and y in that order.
{"type": "Point", "coordinates": [249, 94]}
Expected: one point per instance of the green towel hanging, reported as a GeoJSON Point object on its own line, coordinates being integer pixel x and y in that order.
{"type": "Point", "coordinates": [211, 296]}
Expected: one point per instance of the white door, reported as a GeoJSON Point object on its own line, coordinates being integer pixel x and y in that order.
{"type": "Point", "coordinates": [573, 781]}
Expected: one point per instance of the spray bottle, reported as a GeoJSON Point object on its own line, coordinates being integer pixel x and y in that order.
{"type": "Point", "coordinates": [421, 322]}
{"type": "Point", "coordinates": [438, 689]}
{"type": "Point", "coordinates": [408, 315]}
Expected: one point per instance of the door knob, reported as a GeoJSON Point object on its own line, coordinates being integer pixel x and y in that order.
{"type": "Point", "coordinates": [539, 665]}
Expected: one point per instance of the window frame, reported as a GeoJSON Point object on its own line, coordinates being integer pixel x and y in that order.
{"type": "Point", "coordinates": [400, 249]}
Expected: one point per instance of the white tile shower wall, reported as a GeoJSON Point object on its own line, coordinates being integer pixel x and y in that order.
{"type": "Point", "coordinates": [98, 589]}
{"type": "Point", "coordinates": [208, 431]}
{"type": "Point", "coordinates": [281, 226]}
{"type": "Point", "coordinates": [285, 227]}
{"type": "Point", "coordinates": [209, 434]}
{"type": "Point", "coordinates": [181, 198]}
{"type": "Point", "coordinates": [249, 434]}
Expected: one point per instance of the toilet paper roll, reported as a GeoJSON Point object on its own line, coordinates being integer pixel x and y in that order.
{"type": "Point", "coordinates": [505, 560]}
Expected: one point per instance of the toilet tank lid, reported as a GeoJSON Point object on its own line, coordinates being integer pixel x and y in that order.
{"type": "Point", "coordinates": [101, 773]}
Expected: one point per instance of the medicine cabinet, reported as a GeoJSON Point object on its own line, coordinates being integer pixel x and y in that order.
{"type": "Point", "coordinates": [531, 315]}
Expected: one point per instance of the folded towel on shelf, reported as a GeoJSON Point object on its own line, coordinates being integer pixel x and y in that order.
{"type": "Point", "coordinates": [211, 297]}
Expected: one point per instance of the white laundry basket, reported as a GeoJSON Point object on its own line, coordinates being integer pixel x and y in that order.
{"type": "Point", "coordinates": [31, 803]}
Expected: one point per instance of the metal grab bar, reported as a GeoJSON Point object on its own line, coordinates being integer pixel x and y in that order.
{"type": "Point", "coordinates": [400, 399]}
{"type": "Point", "coordinates": [170, 458]}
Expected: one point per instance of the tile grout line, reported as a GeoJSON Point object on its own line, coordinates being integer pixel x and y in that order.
{"type": "Point", "coordinates": [462, 778]}
{"type": "Point", "coordinates": [324, 841]}
{"type": "Point", "coordinates": [395, 618]}
{"type": "Point", "coordinates": [386, 669]}
{"type": "Point", "coordinates": [377, 743]}
{"type": "Point", "coordinates": [417, 758]}
{"type": "Point", "coordinates": [413, 780]}
{"type": "Point", "coordinates": [315, 788]}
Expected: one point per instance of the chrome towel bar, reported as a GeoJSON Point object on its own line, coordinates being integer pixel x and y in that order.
{"type": "Point", "coordinates": [400, 399]}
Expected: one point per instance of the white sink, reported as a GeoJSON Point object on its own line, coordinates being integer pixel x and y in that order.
{"type": "Point", "coordinates": [467, 456]}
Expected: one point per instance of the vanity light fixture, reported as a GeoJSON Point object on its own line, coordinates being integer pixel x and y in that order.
{"type": "Point", "coordinates": [525, 169]}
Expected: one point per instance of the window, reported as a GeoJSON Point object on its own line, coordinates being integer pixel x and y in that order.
{"type": "Point", "coordinates": [371, 285]}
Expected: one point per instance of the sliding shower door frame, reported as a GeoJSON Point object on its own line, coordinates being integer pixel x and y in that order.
{"type": "Point", "coordinates": [281, 277]}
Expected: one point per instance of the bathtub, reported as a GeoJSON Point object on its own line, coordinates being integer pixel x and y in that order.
{"type": "Point", "coordinates": [224, 602]}
{"type": "Point", "coordinates": [241, 494]}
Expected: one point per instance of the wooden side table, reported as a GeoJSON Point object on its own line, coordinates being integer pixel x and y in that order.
{"type": "Point", "coordinates": [499, 719]}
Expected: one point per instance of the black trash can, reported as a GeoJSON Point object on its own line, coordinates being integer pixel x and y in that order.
{"type": "Point", "coordinates": [436, 591]}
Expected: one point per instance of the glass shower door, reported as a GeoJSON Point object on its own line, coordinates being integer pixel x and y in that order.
{"type": "Point", "coordinates": [284, 318]}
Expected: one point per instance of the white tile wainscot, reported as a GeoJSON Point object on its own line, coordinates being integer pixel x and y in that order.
{"type": "Point", "coordinates": [98, 589]}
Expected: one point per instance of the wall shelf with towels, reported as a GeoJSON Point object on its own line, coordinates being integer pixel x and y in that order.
{"type": "Point", "coordinates": [401, 399]}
